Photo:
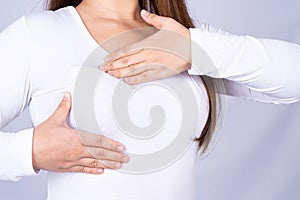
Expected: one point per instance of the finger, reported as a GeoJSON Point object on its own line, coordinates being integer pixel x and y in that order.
{"type": "Point", "coordinates": [138, 79]}
{"type": "Point", "coordinates": [106, 164]}
{"type": "Point", "coordinates": [105, 154]}
{"type": "Point", "coordinates": [126, 61]}
{"type": "Point", "coordinates": [158, 22]}
{"type": "Point", "coordinates": [126, 51]}
{"type": "Point", "coordinates": [93, 140]}
{"type": "Point", "coordinates": [87, 170]}
{"type": "Point", "coordinates": [131, 70]}
{"type": "Point", "coordinates": [63, 109]}
{"type": "Point", "coordinates": [94, 163]}
{"type": "Point", "coordinates": [149, 75]}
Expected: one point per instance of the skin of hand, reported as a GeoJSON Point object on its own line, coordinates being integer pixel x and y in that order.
{"type": "Point", "coordinates": [58, 148]}
{"type": "Point", "coordinates": [164, 54]}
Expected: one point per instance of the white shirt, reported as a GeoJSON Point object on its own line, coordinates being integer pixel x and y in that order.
{"type": "Point", "coordinates": [41, 55]}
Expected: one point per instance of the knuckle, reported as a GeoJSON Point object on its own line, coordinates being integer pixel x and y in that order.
{"type": "Point", "coordinates": [132, 69]}
{"type": "Point", "coordinates": [94, 163]}
{"type": "Point", "coordinates": [71, 157]}
{"type": "Point", "coordinates": [82, 169]}
{"type": "Point", "coordinates": [124, 61]}
{"type": "Point", "coordinates": [160, 25]}
{"type": "Point", "coordinates": [152, 17]}
{"type": "Point", "coordinates": [102, 153]}
{"type": "Point", "coordinates": [65, 166]}
{"type": "Point", "coordinates": [144, 77]}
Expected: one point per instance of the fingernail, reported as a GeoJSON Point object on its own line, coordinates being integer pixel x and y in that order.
{"type": "Point", "coordinates": [120, 148]}
{"type": "Point", "coordinates": [125, 159]}
{"type": "Point", "coordinates": [107, 59]}
{"type": "Point", "coordinates": [66, 96]}
{"type": "Point", "coordinates": [117, 165]}
{"type": "Point", "coordinates": [145, 13]}
{"type": "Point", "coordinates": [111, 73]}
{"type": "Point", "coordinates": [100, 171]}
{"type": "Point", "coordinates": [103, 66]}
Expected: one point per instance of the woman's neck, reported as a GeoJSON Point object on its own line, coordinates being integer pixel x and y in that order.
{"type": "Point", "coordinates": [112, 9]}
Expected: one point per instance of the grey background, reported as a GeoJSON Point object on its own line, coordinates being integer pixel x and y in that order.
{"type": "Point", "coordinates": [257, 157]}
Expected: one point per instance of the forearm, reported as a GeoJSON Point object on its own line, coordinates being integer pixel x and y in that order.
{"type": "Point", "coordinates": [270, 67]}
{"type": "Point", "coordinates": [16, 155]}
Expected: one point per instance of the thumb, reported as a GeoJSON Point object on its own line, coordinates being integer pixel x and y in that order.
{"type": "Point", "coordinates": [153, 19]}
{"type": "Point", "coordinates": [63, 109]}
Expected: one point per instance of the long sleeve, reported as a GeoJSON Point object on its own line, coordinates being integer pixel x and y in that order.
{"type": "Point", "coordinates": [260, 69]}
{"type": "Point", "coordinates": [15, 90]}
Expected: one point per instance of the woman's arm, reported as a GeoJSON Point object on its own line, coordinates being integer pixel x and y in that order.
{"type": "Point", "coordinates": [261, 69]}
{"type": "Point", "coordinates": [15, 89]}
{"type": "Point", "coordinates": [52, 145]}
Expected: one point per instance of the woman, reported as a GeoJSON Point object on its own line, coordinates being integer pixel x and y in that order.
{"type": "Point", "coordinates": [67, 36]}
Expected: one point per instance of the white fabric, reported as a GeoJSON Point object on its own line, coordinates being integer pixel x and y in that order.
{"type": "Point", "coordinates": [65, 44]}
{"type": "Point", "coordinates": [261, 69]}
{"type": "Point", "coordinates": [15, 87]}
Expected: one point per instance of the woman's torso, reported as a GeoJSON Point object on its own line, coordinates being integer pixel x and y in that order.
{"type": "Point", "coordinates": [61, 46]}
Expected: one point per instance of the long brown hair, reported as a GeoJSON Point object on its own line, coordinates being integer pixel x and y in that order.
{"type": "Point", "coordinates": [177, 10]}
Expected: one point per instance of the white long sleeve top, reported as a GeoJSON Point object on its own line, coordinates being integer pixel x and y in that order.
{"type": "Point", "coordinates": [41, 55]}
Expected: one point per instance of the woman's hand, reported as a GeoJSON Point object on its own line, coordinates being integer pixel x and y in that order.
{"type": "Point", "coordinates": [58, 148]}
{"type": "Point", "coordinates": [164, 54]}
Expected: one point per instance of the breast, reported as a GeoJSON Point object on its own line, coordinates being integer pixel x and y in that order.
{"type": "Point", "coordinates": [148, 119]}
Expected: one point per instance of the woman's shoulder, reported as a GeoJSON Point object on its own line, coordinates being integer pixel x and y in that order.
{"type": "Point", "coordinates": [41, 27]}
{"type": "Point", "coordinates": [49, 19]}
